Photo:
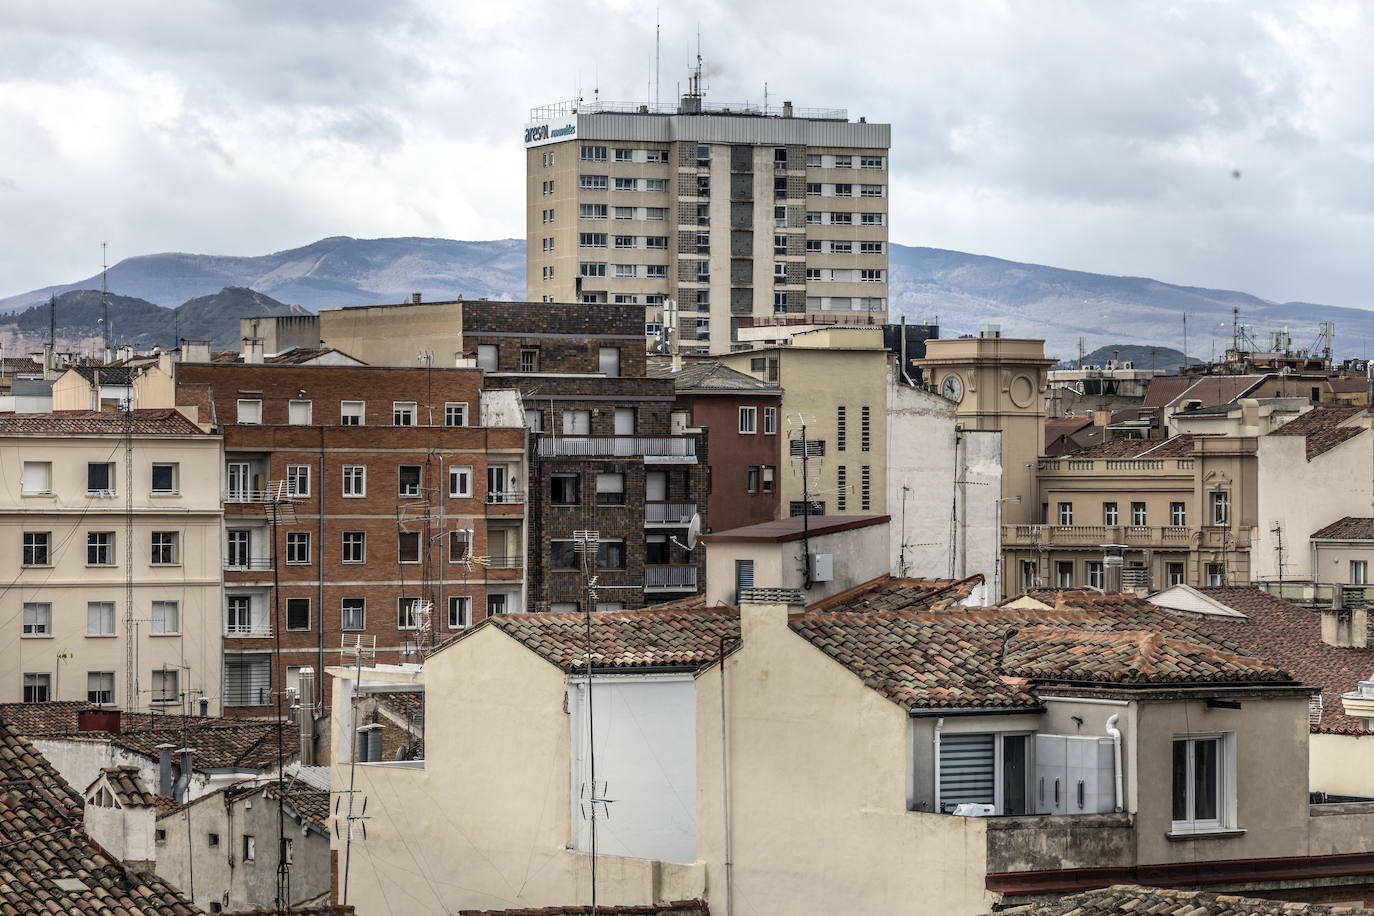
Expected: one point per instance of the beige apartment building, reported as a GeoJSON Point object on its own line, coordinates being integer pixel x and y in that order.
{"type": "Point", "coordinates": [730, 213]}
{"type": "Point", "coordinates": [836, 384]}
{"type": "Point", "coordinates": [112, 522]}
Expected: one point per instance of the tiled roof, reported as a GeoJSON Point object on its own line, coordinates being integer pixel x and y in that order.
{"type": "Point", "coordinates": [676, 908]}
{"type": "Point", "coordinates": [711, 377]}
{"type": "Point", "coordinates": [1217, 389]}
{"type": "Point", "coordinates": [307, 801]}
{"type": "Point", "coordinates": [47, 863]}
{"type": "Point", "coordinates": [953, 659]}
{"type": "Point", "coordinates": [627, 640]}
{"type": "Point", "coordinates": [790, 529]}
{"type": "Point", "coordinates": [1164, 388]}
{"type": "Point", "coordinates": [1063, 426]}
{"type": "Point", "coordinates": [405, 705]}
{"type": "Point", "coordinates": [1324, 428]}
{"type": "Point", "coordinates": [1133, 900]}
{"type": "Point", "coordinates": [1349, 528]}
{"type": "Point", "coordinates": [37, 720]}
{"type": "Point", "coordinates": [109, 375]}
{"type": "Point", "coordinates": [100, 423]}
{"type": "Point", "coordinates": [1174, 447]}
{"type": "Point", "coordinates": [126, 786]}
{"type": "Point", "coordinates": [1290, 636]}
{"type": "Point", "coordinates": [888, 593]}
{"type": "Point", "coordinates": [302, 355]}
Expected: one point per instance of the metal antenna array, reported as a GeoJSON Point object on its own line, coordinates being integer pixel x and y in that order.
{"type": "Point", "coordinates": [800, 449]}
{"type": "Point", "coordinates": [104, 303]}
{"type": "Point", "coordinates": [359, 647]}
{"type": "Point", "coordinates": [130, 638]}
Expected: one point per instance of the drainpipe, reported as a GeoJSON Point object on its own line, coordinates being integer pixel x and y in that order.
{"type": "Point", "coordinates": [1116, 757]}
{"type": "Point", "coordinates": [164, 769]}
{"type": "Point", "coordinates": [182, 789]}
{"type": "Point", "coordinates": [724, 779]}
{"type": "Point", "coordinates": [939, 724]}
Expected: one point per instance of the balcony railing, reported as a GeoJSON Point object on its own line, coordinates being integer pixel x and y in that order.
{"type": "Point", "coordinates": [669, 513]}
{"type": "Point", "coordinates": [516, 562]}
{"type": "Point", "coordinates": [617, 446]}
{"type": "Point", "coordinates": [262, 628]}
{"type": "Point", "coordinates": [255, 563]}
{"type": "Point", "coordinates": [1179, 537]}
{"type": "Point", "coordinates": [670, 577]}
{"type": "Point", "coordinates": [504, 497]}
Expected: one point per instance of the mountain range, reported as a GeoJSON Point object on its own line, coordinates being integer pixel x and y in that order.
{"type": "Point", "coordinates": [160, 295]}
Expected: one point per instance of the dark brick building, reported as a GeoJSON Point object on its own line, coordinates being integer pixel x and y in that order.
{"type": "Point", "coordinates": [406, 517]}
{"type": "Point", "coordinates": [603, 453]}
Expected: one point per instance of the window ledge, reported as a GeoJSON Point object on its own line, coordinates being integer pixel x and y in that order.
{"type": "Point", "coordinates": [164, 494]}
{"type": "Point", "coordinates": [37, 636]}
{"type": "Point", "coordinates": [1207, 833]}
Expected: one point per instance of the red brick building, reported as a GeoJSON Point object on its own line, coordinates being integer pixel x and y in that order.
{"type": "Point", "coordinates": [399, 518]}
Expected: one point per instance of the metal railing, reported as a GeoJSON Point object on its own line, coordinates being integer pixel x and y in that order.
{"type": "Point", "coordinates": [1176, 536]}
{"type": "Point", "coordinates": [504, 497]}
{"type": "Point", "coordinates": [248, 629]}
{"type": "Point", "coordinates": [616, 446]}
{"type": "Point", "coordinates": [660, 513]}
{"type": "Point", "coordinates": [513, 562]}
{"type": "Point", "coordinates": [254, 563]}
{"type": "Point", "coordinates": [577, 106]}
{"type": "Point", "coordinates": [670, 577]}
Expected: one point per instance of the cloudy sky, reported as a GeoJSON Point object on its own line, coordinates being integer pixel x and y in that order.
{"type": "Point", "coordinates": [1100, 136]}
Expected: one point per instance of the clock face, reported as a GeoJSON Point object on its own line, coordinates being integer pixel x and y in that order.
{"type": "Point", "coordinates": [953, 388]}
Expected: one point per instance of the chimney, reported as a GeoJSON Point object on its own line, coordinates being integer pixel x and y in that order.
{"type": "Point", "coordinates": [766, 609]}
{"type": "Point", "coordinates": [787, 109]}
{"type": "Point", "coordinates": [195, 350]}
{"type": "Point", "coordinates": [165, 364]}
{"type": "Point", "coordinates": [125, 352]}
{"type": "Point", "coordinates": [252, 350]}
{"type": "Point", "coordinates": [1346, 625]}
{"type": "Point", "coordinates": [1111, 567]}
{"type": "Point", "coordinates": [164, 769]}
{"type": "Point", "coordinates": [307, 716]}
{"type": "Point", "coordinates": [204, 706]}
{"type": "Point", "coordinates": [183, 784]}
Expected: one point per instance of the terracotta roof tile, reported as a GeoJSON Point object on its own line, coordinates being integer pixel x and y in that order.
{"type": "Point", "coordinates": [1133, 900]}
{"type": "Point", "coordinates": [1173, 447]}
{"type": "Point", "coordinates": [126, 786]}
{"type": "Point", "coordinates": [100, 423]}
{"type": "Point", "coordinates": [1324, 428]}
{"type": "Point", "coordinates": [627, 640]}
{"type": "Point", "coordinates": [307, 801]}
{"type": "Point", "coordinates": [676, 908]}
{"type": "Point", "coordinates": [889, 593]}
{"type": "Point", "coordinates": [1349, 528]}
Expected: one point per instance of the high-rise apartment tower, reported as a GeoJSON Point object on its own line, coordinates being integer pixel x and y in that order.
{"type": "Point", "coordinates": [712, 217]}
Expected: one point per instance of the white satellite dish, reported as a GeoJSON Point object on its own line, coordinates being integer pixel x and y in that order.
{"type": "Point", "coordinates": [693, 530]}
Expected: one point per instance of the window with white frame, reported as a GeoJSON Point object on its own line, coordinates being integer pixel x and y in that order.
{"type": "Point", "coordinates": [408, 613]}
{"type": "Point", "coordinates": [985, 768]}
{"type": "Point", "coordinates": [1359, 572]}
{"type": "Point", "coordinates": [1221, 508]}
{"type": "Point", "coordinates": [1066, 513]}
{"type": "Point", "coordinates": [354, 480]}
{"type": "Point", "coordinates": [249, 411]}
{"type": "Point", "coordinates": [1178, 514]}
{"type": "Point", "coordinates": [459, 611]}
{"type": "Point", "coordinates": [354, 612]}
{"type": "Point", "coordinates": [100, 618]}
{"type": "Point", "coordinates": [460, 481]}
{"type": "Point", "coordinates": [100, 478]}
{"type": "Point", "coordinates": [1030, 576]}
{"type": "Point", "coordinates": [298, 412]}
{"type": "Point", "coordinates": [1063, 574]}
{"type": "Point", "coordinates": [100, 687]}
{"type": "Point", "coordinates": [164, 476]}
{"type": "Point", "coordinates": [354, 547]}
{"type": "Point", "coordinates": [100, 548]}
{"type": "Point", "coordinates": [408, 480]}
{"type": "Point", "coordinates": [1110, 515]}
{"type": "Point", "coordinates": [770, 421]}
{"type": "Point", "coordinates": [36, 548]}
{"type": "Point", "coordinates": [37, 480]}
{"type": "Point", "coordinates": [403, 413]}
{"type": "Point", "coordinates": [37, 686]}
{"type": "Point", "coordinates": [459, 545]}
{"type": "Point", "coordinates": [1097, 577]}
{"type": "Point", "coordinates": [351, 413]}
{"type": "Point", "coordinates": [456, 413]}
{"type": "Point", "coordinates": [166, 616]}
{"type": "Point", "coordinates": [297, 547]}
{"type": "Point", "coordinates": [1216, 574]}
{"type": "Point", "coordinates": [1173, 573]}
{"type": "Point", "coordinates": [298, 613]}
{"type": "Point", "coordinates": [1203, 777]}
{"type": "Point", "coordinates": [166, 686]}
{"type": "Point", "coordinates": [163, 548]}
{"type": "Point", "coordinates": [1138, 516]}
{"type": "Point", "coordinates": [37, 618]}
{"type": "Point", "coordinates": [748, 420]}
{"type": "Point", "coordinates": [408, 547]}
{"type": "Point", "coordinates": [298, 480]}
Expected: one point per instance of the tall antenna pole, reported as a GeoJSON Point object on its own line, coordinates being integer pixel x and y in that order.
{"type": "Point", "coordinates": [1185, 342]}
{"type": "Point", "coordinates": [806, 510]}
{"type": "Point", "coordinates": [130, 633]}
{"type": "Point", "coordinates": [104, 302]}
{"type": "Point", "coordinates": [658, 32]}
{"type": "Point", "coordinates": [52, 323]}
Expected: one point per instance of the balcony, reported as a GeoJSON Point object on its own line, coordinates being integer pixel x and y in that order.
{"type": "Point", "coordinates": [513, 562]}
{"type": "Point", "coordinates": [660, 449]}
{"type": "Point", "coordinates": [1166, 537]}
{"type": "Point", "coordinates": [254, 629]}
{"type": "Point", "coordinates": [239, 564]}
{"type": "Point", "coordinates": [670, 578]}
{"type": "Point", "coordinates": [504, 497]}
{"type": "Point", "coordinates": [668, 514]}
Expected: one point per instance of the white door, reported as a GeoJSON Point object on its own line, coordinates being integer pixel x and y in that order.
{"type": "Point", "coordinates": [624, 421]}
{"type": "Point", "coordinates": [656, 486]}
{"type": "Point", "coordinates": [239, 480]}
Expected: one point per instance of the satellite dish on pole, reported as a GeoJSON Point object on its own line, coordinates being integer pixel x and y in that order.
{"type": "Point", "coordinates": [693, 530]}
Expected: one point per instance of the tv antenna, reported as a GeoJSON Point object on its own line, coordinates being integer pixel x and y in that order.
{"type": "Point", "coordinates": [360, 647]}
{"type": "Point", "coordinates": [105, 301]}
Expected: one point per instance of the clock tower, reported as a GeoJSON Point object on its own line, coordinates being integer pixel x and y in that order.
{"type": "Point", "coordinates": [998, 383]}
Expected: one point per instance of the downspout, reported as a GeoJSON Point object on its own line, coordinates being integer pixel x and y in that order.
{"type": "Point", "coordinates": [724, 779]}
{"type": "Point", "coordinates": [1116, 757]}
{"type": "Point", "coordinates": [939, 724]}
{"type": "Point", "coordinates": [317, 705]}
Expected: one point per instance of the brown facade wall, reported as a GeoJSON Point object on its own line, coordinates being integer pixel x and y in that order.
{"type": "Point", "coordinates": [730, 504]}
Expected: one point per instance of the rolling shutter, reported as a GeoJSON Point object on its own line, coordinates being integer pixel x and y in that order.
{"type": "Point", "coordinates": [967, 770]}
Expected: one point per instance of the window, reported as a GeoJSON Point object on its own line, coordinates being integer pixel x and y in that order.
{"type": "Point", "coordinates": [459, 545]}
{"type": "Point", "coordinates": [353, 613]}
{"type": "Point", "coordinates": [1066, 513]}
{"type": "Point", "coordinates": [625, 241]}
{"type": "Point", "coordinates": [624, 155]}
{"type": "Point", "coordinates": [1178, 515]}
{"type": "Point", "coordinates": [1097, 577]}
{"type": "Point", "coordinates": [591, 182]}
{"type": "Point", "coordinates": [563, 489]}
{"type": "Point", "coordinates": [534, 420]}
{"type": "Point", "coordinates": [1216, 573]}
{"type": "Point", "coordinates": [841, 247]}
{"type": "Point", "coordinates": [164, 548]}
{"type": "Point", "coordinates": [984, 769]}
{"type": "Point", "coordinates": [1359, 572]}
{"type": "Point", "coordinates": [249, 411]}
{"type": "Point", "coordinates": [99, 478]}
{"type": "Point", "coordinates": [408, 480]}
{"type": "Point", "coordinates": [592, 211]}
{"type": "Point", "coordinates": [1173, 573]}
{"type": "Point", "coordinates": [460, 481]}
{"type": "Point", "coordinates": [496, 604]}
{"type": "Point", "coordinates": [813, 189]}
{"type": "Point", "coordinates": [625, 184]}
{"type": "Point", "coordinates": [870, 276]}
{"type": "Point", "coordinates": [655, 155]}
{"type": "Point", "coordinates": [797, 508]}
{"type": "Point", "coordinates": [297, 547]}
{"type": "Point", "coordinates": [841, 219]}
{"type": "Point", "coordinates": [620, 212]}
{"type": "Point", "coordinates": [813, 273]}
{"type": "Point", "coordinates": [487, 353]}
{"type": "Point", "coordinates": [563, 555]}
{"type": "Point", "coordinates": [591, 240]}
{"type": "Point", "coordinates": [597, 153]}
{"type": "Point", "coordinates": [610, 555]}
{"type": "Point", "coordinates": [354, 547]}
{"type": "Point", "coordinates": [1138, 514]}
{"type": "Point", "coordinates": [872, 219]}
{"type": "Point", "coordinates": [37, 618]}
{"type": "Point", "coordinates": [577, 422]}
{"type": "Point", "coordinates": [1110, 516]}
{"type": "Point", "coordinates": [624, 421]}
{"type": "Point", "coordinates": [456, 413]}
{"type": "Point", "coordinates": [298, 613]}
{"type": "Point", "coordinates": [841, 488]}
{"type": "Point", "coordinates": [166, 618]}
{"type": "Point", "coordinates": [408, 547]}
{"type": "Point", "coordinates": [865, 438]}
{"type": "Point", "coordinates": [250, 848]}
{"type": "Point", "coordinates": [408, 613]}
{"type": "Point", "coordinates": [870, 162]}
{"type": "Point", "coordinates": [770, 421]}
{"type": "Point", "coordinates": [100, 618]}
{"type": "Point", "coordinates": [865, 487]}
{"type": "Point", "coordinates": [459, 611]}
{"type": "Point", "coordinates": [779, 273]}
{"type": "Point", "coordinates": [608, 361]}
{"type": "Point", "coordinates": [1063, 574]}
{"type": "Point", "coordinates": [298, 480]}
{"type": "Point", "coordinates": [813, 217]}
{"type": "Point", "coordinates": [247, 679]}
{"type": "Point", "coordinates": [610, 489]}
{"type": "Point", "coordinates": [844, 190]}
{"type": "Point", "coordinates": [38, 478]}
{"type": "Point", "coordinates": [351, 413]}
{"type": "Point", "coordinates": [752, 480]}
{"type": "Point", "coordinates": [769, 472]}
{"type": "Point", "coordinates": [354, 480]}
{"type": "Point", "coordinates": [656, 241]}
{"type": "Point", "coordinates": [780, 216]}
{"type": "Point", "coordinates": [100, 687]}
{"type": "Point", "coordinates": [1201, 771]}
{"type": "Point", "coordinates": [100, 548]}
{"type": "Point", "coordinates": [870, 190]}
{"type": "Point", "coordinates": [36, 545]}
{"type": "Point", "coordinates": [592, 268]}
{"type": "Point", "coordinates": [37, 687]}
{"type": "Point", "coordinates": [212, 839]}
{"type": "Point", "coordinates": [870, 248]}
{"type": "Point", "coordinates": [167, 690]}
{"type": "Point", "coordinates": [164, 478]}
{"type": "Point", "coordinates": [298, 412]}
{"type": "Point", "coordinates": [748, 420]}
{"type": "Point", "coordinates": [403, 413]}
{"type": "Point", "coordinates": [1221, 508]}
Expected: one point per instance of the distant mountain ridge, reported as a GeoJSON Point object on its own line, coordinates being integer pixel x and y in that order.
{"type": "Point", "coordinates": [965, 292]}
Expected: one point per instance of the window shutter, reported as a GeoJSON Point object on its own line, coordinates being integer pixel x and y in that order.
{"type": "Point", "coordinates": [744, 576]}
{"type": "Point", "coordinates": [967, 770]}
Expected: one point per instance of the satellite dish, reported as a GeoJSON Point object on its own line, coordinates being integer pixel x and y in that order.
{"type": "Point", "coordinates": [693, 530]}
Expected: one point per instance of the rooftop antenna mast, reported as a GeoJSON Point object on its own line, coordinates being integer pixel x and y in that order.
{"type": "Point", "coordinates": [104, 301]}
{"type": "Point", "coordinates": [658, 32]}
